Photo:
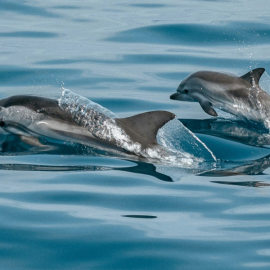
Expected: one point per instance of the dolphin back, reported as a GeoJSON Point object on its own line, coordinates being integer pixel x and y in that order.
{"type": "Point", "coordinates": [37, 104]}
{"type": "Point", "coordinates": [31, 102]}
{"type": "Point", "coordinates": [143, 127]}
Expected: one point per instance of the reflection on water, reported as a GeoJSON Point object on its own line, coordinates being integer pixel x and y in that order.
{"type": "Point", "coordinates": [15, 145]}
{"type": "Point", "coordinates": [46, 168]}
{"type": "Point", "coordinates": [140, 168]}
{"type": "Point", "coordinates": [235, 130]}
{"type": "Point", "coordinates": [238, 142]}
{"type": "Point", "coordinates": [254, 167]}
{"type": "Point", "coordinates": [243, 184]}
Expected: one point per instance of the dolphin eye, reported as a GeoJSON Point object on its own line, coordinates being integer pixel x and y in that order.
{"type": "Point", "coordinates": [186, 91]}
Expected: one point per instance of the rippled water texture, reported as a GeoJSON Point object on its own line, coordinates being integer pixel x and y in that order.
{"type": "Point", "coordinates": [70, 206]}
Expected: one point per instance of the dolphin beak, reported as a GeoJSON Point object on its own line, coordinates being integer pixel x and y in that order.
{"type": "Point", "coordinates": [175, 96]}
{"type": "Point", "coordinates": [182, 97]}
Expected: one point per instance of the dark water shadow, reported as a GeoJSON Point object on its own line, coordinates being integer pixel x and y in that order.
{"type": "Point", "coordinates": [15, 145]}
{"type": "Point", "coordinates": [140, 168]}
{"type": "Point", "coordinates": [146, 169]}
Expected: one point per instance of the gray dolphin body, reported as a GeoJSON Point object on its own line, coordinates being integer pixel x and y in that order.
{"type": "Point", "coordinates": [241, 96]}
{"type": "Point", "coordinates": [38, 116]}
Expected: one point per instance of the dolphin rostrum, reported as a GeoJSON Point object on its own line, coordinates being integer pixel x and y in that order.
{"type": "Point", "coordinates": [240, 96]}
{"type": "Point", "coordinates": [39, 116]}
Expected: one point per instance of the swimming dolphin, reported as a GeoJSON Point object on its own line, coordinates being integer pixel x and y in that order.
{"type": "Point", "coordinates": [39, 116]}
{"type": "Point", "coordinates": [240, 96]}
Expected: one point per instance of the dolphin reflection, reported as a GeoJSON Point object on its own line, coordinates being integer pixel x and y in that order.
{"type": "Point", "coordinates": [14, 145]}
{"type": "Point", "coordinates": [243, 184]}
{"type": "Point", "coordinates": [11, 145]}
{"type": "Point", "coordinates": [254, 167]}
{"type": "Point", "coordinates": [234, 130]}
{"type": "Point", "coordinates": [239, 132]}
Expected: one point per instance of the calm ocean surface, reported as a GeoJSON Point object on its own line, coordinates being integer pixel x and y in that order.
{"type": "Point", "coordinates": [65, 206]}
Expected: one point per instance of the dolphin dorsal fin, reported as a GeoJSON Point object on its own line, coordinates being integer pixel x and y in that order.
{"type": "Point", "coordinates": [143, 128]}
{"type": "Point", "coordinates": [253, 76]}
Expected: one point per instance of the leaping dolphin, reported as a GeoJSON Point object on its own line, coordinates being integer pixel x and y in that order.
{"type": "Point", "coordinates": [240, 96]}
{"type": "Point", "coordinates": [41, 116]}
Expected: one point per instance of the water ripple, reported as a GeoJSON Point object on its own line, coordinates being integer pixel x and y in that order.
{"type": "Point", "coordinates": [232, 34]}
{"type": "Point", "coordinates": [21, 7]}
{"type": "Point", "coordinates": [29, 34]}
{"type": "Point", "coordinates": [14, 75]}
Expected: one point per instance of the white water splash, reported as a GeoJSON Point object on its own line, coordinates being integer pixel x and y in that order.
{"type": "Point", "coordinates": [98, 120]}
{"type": "Point", "coordinates": [179, 146]}
{"type": "Point", "coordinates": [265, 82]}
{"type": "Point", "coordinates": [175, 137]}
{"type": "Point", "coordinates": [265, 85]}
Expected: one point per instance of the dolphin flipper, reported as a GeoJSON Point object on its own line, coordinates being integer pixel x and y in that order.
{"type": "Point", "coordinates": [34, 141]}
{"type": "Point", "coordinates": [207, 107]}
{"type": "Point", "coordinates": [143, 127]}
{"type": "Point", "coordinates": [253, 76]}
{"type": "Point", "coordinates": [205, 104]}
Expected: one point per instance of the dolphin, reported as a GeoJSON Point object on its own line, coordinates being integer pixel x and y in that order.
{"type": "Point", "coordinates": [240, 96]}
{"type": "Point", "coordinates": [39, 116]}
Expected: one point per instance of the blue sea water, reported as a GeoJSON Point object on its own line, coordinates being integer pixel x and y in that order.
{"type": "Point", "coordinates": [68, 206]}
